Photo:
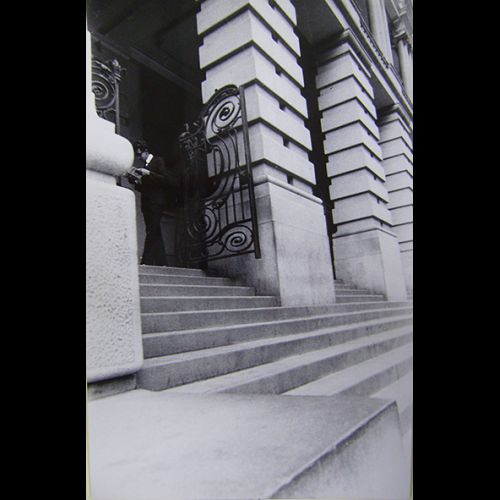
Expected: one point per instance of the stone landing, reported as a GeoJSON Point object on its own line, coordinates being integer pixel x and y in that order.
{"type": "Point", "coordinates": [154, 445]}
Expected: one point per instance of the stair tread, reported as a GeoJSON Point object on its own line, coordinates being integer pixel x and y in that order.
{"type": "Point", "coordinates": [280, 308]}
{"type": "Point", "coordinates": [196, 287]}
{"type": "Point", "coordinates": [209, 297]}
{"type": "Point", "coordinates": [227, 381]}
{"type": "Point", "coordinates": [342, 380]}
{"type": "Point", "coordinates": [241, 346]}
{"type": "Point", "coordinates": [278, 321]}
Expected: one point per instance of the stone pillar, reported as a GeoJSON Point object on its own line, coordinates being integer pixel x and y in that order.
{"type": "Point", "coordinates": [397, 151]}
{"type": "Point", "coordinates": [379, 26]}
{"type": "Point", "coordinates": [365, 246]}
{"type": "Point", "coordinates": [253, 43]}
{"type": "Point", "coordinates": [406, 64]}
{"type": "Point", "coordinates": [114, 343]}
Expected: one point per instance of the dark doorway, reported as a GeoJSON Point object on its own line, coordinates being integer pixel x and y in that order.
{"type": "Point", "coordinates": [165, 108]}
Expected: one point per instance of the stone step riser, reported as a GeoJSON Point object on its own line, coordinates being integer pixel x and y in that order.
{"type": "Point", "coordinates": [359, 298]}
{"type": "Point", "coordinates": [174, 343]}
{"type": "Point", "coordinates": [177, 304]}
{"type": "Point", "coordinates": [379, 380]}
{"type": "Point", "coordinates": [297, 376]}
{"type": "Point", "coordinates": [194, 291]}
{"type": "Point", "coordinates": [350, 291]}
{"type": "Point", "coordinates": [158, 279]}
{"type": "Point", "coordinates": [173, 271]}
{"type": "Point", "coordinates": [168, 322]}
{"type": "Point", "coordinates": [176, 374]}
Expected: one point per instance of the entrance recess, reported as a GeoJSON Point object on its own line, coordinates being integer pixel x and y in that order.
{"type": "Point", "coordinates": [220, 218]}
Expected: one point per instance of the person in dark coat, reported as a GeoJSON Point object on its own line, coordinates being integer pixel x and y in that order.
{"type": "Point", "coordinates": [153, 181]}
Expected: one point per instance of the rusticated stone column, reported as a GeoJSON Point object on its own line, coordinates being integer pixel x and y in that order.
{"type": "Point", "coordinates": [114, 343]}
{"type": "Point", "coordinates": [397, 152]}
{"type": "Point", "coordinates": [253, 43]}
{"type": "Point", "coordinates": [365, 246]}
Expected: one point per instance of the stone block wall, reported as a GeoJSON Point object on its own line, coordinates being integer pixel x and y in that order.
{"type": "Point", "coordinates": [252, 43]}
{"type": "Point", "coordinates": [365, 246]}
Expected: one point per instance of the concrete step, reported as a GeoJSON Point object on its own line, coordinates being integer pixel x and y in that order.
{"type": "Point", "coordinates": [168, 279]}
{"type": "Point", "coordinates": [168, 304]}
{"type": "Point", "coordinates": [342, 299]}
{"type": "Point", "coordinates": [194, 290]}
{"type": "Point", "coordinates": [402, 392]}
{"type": "Point", "coordinates": [163, 343]}
{"type": "Point", "coordinates": [364, 378]}
{"type": "Point", "coordinates": [292, 371]}
{"type": "Point", "coordinates": [173, 370]}
{"type": "Point", "coordinates": [351, 291]}
{"type": "Point", "coordinates": [173, 271]}
{"type": "Point", "coordinates": [187, 320]}
{"type": "Point", "coordinates": [162, 445]}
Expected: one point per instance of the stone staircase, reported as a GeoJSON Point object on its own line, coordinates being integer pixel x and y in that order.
{"type": "Point", "coordinates": [206, 334]}
{"type": "Point", "coordinates": [239, 397]}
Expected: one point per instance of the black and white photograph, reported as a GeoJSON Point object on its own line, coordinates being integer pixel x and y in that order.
{"type": "Point", "coordinates": [249, 249]}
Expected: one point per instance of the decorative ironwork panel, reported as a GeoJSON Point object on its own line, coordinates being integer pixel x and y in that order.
{"type": "Point", "coordinates": [106, 87]}
{"type": "Point", "coordinates": [219, 198]}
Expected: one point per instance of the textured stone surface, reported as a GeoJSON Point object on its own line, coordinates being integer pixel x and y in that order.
{"type": "Point", "coordinates": [371, 260]}
{"type": "Point", "coordinates": [295, 264]}
{"type": "Point", "coordinates": [114, 344]}
{"type": "Point", "coordinates": [146, 446]}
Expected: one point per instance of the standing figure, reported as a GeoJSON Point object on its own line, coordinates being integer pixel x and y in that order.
{"type": "Point", "coordinates": [153, 181]}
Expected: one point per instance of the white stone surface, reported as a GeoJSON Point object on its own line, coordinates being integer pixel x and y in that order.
{"type": "Point", "coordinates": [262, 105]}
{"type": "Point", "coordinates": [359, 207]}
{"type": "Point", "coordinates": [244, 29]}
{"type": "Point", "coordinates": [351, 135]}
{"type": "Point", "coordinates": [371, 260]}
{"type": "Point", "coordinates": [395, 128]}
{"type": "Point", "coordinates": [400, 198]}
{"type": "Point", "coordinates": [347, 113]}
{"type": "Point", "coordinates": [399, 181]}
{"type": "Point", "coordinates": [247, 66]}
{"type": "Point", "coordinates": [114, 341]}
{"type": "Point", "coordinates": [295, 264]}
{"type": "Point", "coordinates": [342, 91]}
{"type": "Point", "coordinates": [153, 445]}
{"type": "Point", "coordinates": [341, 68]}
{"type": "Point", "coordinates": [267, 144]}
{"type": "Point", "coordinates": [352, 159]}
{"type": "Point", "coordinates": [397, 164]}
{"type": "Point", "coordinates": [396, 147]}
{"type": "Point", "coordinates": [401, 215]}
{"type": "Point", "coordinates": [357, 182]}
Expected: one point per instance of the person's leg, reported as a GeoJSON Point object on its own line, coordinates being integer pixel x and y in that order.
{"type": "Point", "coordinates": [156, 249]}
{"type": "Point", "coordinates": [148, 254]}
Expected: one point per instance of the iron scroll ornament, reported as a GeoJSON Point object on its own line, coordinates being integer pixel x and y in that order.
{"type": "Point", "coordinates": [106, 79]}
{"type": "Point", "coordinates": [220, 216]}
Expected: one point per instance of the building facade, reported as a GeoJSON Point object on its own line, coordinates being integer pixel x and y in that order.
{"type": "Point", "coordinates": [322, 95]}
{"type": "Point", "coordinates": [328, 87]}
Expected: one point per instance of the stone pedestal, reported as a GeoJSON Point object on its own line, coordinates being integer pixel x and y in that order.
{"type": "Point", "coordinates": [253, 43]}
{"type": "Point", "coordinates": [366, 250]}
{"type": "Point", "coordinates": [296, 263]}
{"type": "Point", "coordinates": [113, 333]}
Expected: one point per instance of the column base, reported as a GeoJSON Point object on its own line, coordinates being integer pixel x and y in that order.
{"type": "Point", "coordinates": [296, 264]}
{"type": "Point", "coordinates": [371, 260]}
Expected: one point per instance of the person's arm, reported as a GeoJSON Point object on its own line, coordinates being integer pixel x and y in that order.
{"type": "Point", "coordinates": [159, 174]}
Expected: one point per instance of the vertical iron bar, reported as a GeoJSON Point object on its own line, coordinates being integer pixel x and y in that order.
{"type": "Point", "coordinates": [246, 139]}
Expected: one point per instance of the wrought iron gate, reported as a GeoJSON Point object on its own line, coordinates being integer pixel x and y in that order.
{"type": "Point", "coordinates": [220, 217]}
{"type": "Point", "coordinates": [106, 87]}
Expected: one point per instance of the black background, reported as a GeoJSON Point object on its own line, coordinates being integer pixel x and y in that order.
{"type": "Point", "coordinates": [456, 143]}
